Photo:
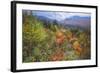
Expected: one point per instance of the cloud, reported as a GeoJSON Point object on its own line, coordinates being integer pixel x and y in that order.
{"type": "Point", "coordinates": [59, 15]}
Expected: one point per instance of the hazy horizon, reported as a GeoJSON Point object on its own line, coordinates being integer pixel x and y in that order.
{"type": "Point", "coordinates": [59, 15]}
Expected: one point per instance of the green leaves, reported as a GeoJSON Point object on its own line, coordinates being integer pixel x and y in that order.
{"type": "Point", "coordinates": [29, 59]}
{"type": "Point", "coordinates": [41, 43]}
{"type": "Point", "coordinates": [36, 51]}
{"type": "Point", "coordinates": [38, 33]}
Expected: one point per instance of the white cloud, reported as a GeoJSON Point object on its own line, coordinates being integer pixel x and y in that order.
{"type": "Point", "coordinates": [60, 15]}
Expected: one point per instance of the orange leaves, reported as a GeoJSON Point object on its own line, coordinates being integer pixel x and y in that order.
{"type": "Point", "coordinates": [59, 38]}
{"type": "Point", "coordinates": [59, 41]}
{"type": "Point", "coordinates": [59, 34]}
{"type": "Point", "coordinates": [57, 56]}
{"type": "Point", "coordinates": [59, 53]}
{"type": "Point", "coordinates": [78, 51]}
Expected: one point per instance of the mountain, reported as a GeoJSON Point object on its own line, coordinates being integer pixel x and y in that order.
{"type": "Point", "coordinates": [73, 21]}
{"type": "Point", "coordinates": [79, 21]}
{"type": "Point", "coordinates": [43, 18]}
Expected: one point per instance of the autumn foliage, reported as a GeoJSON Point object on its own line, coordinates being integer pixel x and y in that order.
{"type": "Point", "coordinates": [53, 42]}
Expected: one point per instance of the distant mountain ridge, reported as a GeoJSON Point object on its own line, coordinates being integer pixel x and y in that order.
{"type": "Point", "coordinates": [80, 21]}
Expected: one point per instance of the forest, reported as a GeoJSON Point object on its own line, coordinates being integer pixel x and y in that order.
{"type": "Point", "coordinates": [45, 41]}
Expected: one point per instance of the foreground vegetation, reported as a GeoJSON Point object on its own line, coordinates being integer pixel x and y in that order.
{"type": "Point", "coordinates": [53, 42]}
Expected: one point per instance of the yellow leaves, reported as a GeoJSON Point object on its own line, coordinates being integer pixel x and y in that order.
{"type": "Point", "coordinates": [26, 27]}
{"type": "Point", "coordinates": [77, 47]}
{"type": "Point", "coordinates": [76, 44]}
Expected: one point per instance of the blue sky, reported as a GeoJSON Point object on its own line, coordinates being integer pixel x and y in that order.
{"type": "Point", "coordinates": [60, 15]}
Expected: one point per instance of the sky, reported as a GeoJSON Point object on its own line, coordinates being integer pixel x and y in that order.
{"type": "Point", "coordinates": [59, 15]}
